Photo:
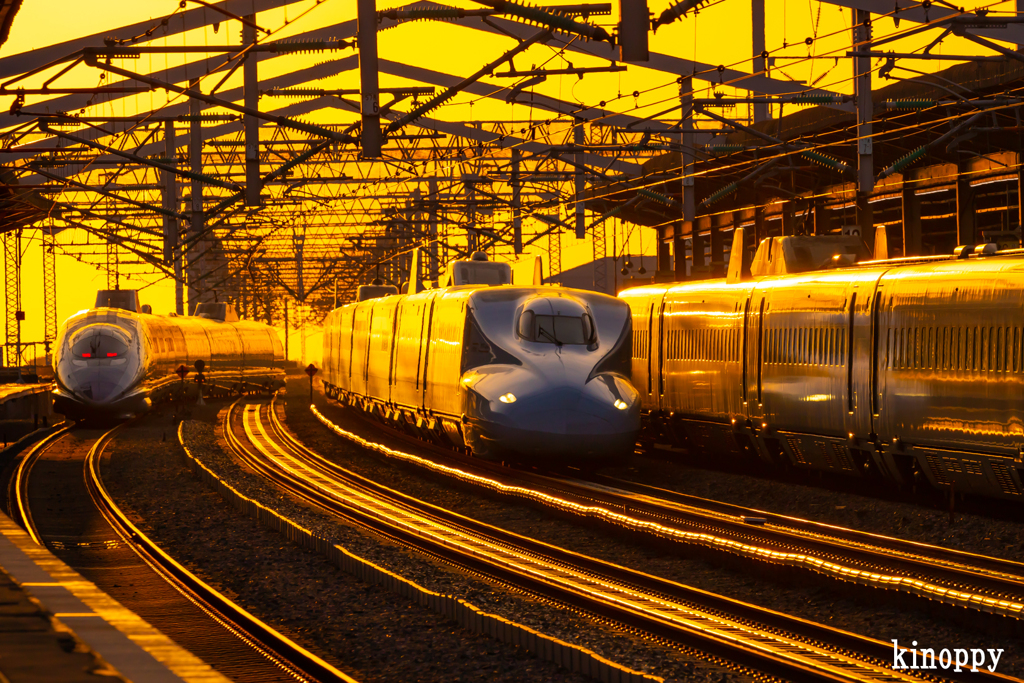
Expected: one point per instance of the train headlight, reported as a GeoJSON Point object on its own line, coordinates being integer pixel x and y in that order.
{"type": "Point", "coordinates": [507, 398]}
{"type": "Point", "coordinates": [620, 404]}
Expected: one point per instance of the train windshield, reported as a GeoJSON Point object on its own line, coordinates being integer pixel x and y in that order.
{"type": "Point", "coordinates": [92, 345]}
{"type": "Point", "coordinates": [556, 329]}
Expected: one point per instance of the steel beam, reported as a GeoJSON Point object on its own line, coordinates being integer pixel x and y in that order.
{"type": "Point", "coordinates": [250, 88]}
{"type": "Point", "coordinates": [658, 62]}
{"type": "Point", "coordinates": [761, 110]}
{"type": "Point", "coordinates": [686, 151]}
{"type": "Point", "coordinates": [579, 138]}
{"type": "Point", "coordinates": [933, 13]}
{"type": "Point", "coordinates": [196, 222]}
{"type": "Point", "coordinates": [517, 218]}
{"type": "Point", "coordinates": [195, 93]}
{"type": "Point", "coordinates": [368, 85]}
{"type": "Point", "coordinates": [865, 110]}
{"type": "Point", "coordinates": [185, 21]}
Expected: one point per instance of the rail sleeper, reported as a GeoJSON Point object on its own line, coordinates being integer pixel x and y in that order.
{"type": "Point", "coordinates": [467, 615]}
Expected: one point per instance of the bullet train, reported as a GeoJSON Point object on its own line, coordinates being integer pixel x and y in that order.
{"type": "Point", "coordinates": [117, 359]}
{"type": "Point", "coordinates": [525, 374]}
{"type": "Point", "coordinates": [909, 369]}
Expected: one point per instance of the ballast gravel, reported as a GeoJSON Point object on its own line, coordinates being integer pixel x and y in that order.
{"type": "Point", "coordinates": [866, 613]}
{"type": "Point", "coordinates": [366, 631]}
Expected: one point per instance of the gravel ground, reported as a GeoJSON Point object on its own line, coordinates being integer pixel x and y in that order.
{"type": "Point", "coordinates": [865, 613]}
{"type": "Point", "coordinates": [364, 630]}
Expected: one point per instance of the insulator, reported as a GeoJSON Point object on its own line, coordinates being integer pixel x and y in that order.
{"type": "Point", "coordinates": [121, 53]}
{"type": "Point", "coordinates": [724, 149]}
{"type": "Point", "coordinates": [815, 99]}
{"type": "Point", "coordinates": [675, 11]}
{"type": "Point", "coordinates": [904, 161]}
{"type": "Point", "coordinates": [297, 46]}
{"type": "Point", "coordinates": [657, 196]}
{"type": "Point", "coordinates": [430, 13]}
{"type": "Point", "coordinates": [824, 160]}
{"type": "Point", "coordinates": [296, 92]}
{"type": "Point", "coordinates": [718, 194]}
{"type": "Point", "coordinates": [207, 117]}
{"type": "Point", "coordinates": [557, 22]}
{"type": "Point", "coordinates": [909, 104]}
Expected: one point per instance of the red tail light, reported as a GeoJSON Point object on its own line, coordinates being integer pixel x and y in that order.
{"type": "Point", "coordinates": [86, 355]}
{"type": "Point", "coordinates": [111, 355]}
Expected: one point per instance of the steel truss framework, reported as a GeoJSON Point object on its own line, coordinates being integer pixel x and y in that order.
{"type": "Point", "coordinates": [235, 194]}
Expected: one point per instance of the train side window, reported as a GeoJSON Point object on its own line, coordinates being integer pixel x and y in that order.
{"type": "Point", "coordinates": [972, 335]}
{"type": "Point", "coordinates": [1007, 350]}
{"type": "Point", "coordinates": [1005, 356]}
{"type": "Point", "coordinates": [930, 362]}
{"type": "Point", "coordinates": [1016, 348]}
{"type": "Point", "coordinates": [916, 363]}
{"type": "Point", "coordinates": [983, 352]}
{"type": "Point", "coordinates": [947, 351]}
{"type": "Point", "coordinates": [999, 349]}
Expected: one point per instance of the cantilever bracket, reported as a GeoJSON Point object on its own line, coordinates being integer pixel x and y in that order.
{"type": "Point", "coordinates": [282, 121]}
{"type": "Point", "coordinates": [209, 180]}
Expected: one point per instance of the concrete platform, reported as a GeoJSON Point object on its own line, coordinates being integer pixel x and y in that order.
{"type": "Point", "coordinates": [56, 626]}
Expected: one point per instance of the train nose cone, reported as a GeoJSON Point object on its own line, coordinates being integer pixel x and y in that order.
{"type": "Point", "coordinates": [596, 422]}
{"type": "Point", "coordinates": [97, 367]}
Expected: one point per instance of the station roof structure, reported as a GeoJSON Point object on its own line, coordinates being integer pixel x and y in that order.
{"type": "Point", "coordinates": [224, 144]}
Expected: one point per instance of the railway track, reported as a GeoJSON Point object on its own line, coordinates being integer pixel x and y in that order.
{"type": "Point", "coordinates": [69, 509]}
{"type": "Point", "coordinates": [984, 584]}
{"type": "Point", "coordinates": [738, 634]}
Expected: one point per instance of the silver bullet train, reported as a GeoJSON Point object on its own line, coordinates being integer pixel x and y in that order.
{"type": "Point", "coordinates": [909, 369]}
{"type": "Point", "coordinates": [117, 359]}
{"type": "Point", "coordinates": [527, 374]}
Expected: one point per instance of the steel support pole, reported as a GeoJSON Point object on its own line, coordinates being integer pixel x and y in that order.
{"type": "Point", "coordinates": [172, 229]}
{"type": "Point", "coordinates": [761, 111]}
{"type": "Point", "coordinates": [250, 87]}
{"type": "Point", "coordinates": [368, 85]}
{"type": "Point", "coordinates": [579, 138]}
{"type": "Point", "coordinates": [686, 155]}
{"type": "Point", "coordinates": [49, 290]}
{"type": "Point", "coordinates": [517, 218]}
{"type": "Point", "coordinates": [170, 193]}
{"type": "Point", "coordinates": [195, 157]}
{"type": "Point", "coordinates": [1020, 11]}
{"type": "Point", "coordinates": [634, 23]}
{"type": "Point", "coordinates": [433, 207]}
{"type": "Point", "coordinates": [865, 112]}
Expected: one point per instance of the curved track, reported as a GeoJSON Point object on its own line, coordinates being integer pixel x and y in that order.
{"type": "Point", "coordinates": [63, 503]}
{"type": "Point", "coordinates": [982, 583]}
{"type": "Point", "coordinates": [768, 642]}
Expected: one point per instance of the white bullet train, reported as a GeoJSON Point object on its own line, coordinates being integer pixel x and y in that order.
{"type": "Point", "coordinates": [117, 359]}
{"type": "Point", "coordinates": [907, 369]}
{"type": "Point", "coordinates": [511, 373]}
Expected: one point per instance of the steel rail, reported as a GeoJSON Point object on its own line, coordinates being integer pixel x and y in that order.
{"type": "Point", "coordinates": [285, 652]}
{"type": "Point", "coordinates": [770, 642]}
{"type": "Point", "coordinates": [981, 583]}
{"type": "Point", "coordinates": [19, 482]}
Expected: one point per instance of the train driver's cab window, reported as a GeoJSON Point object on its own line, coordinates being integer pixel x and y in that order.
{"type": "Point", "coordinates": [99, 344]}
{"type": "Point", "coordinates": [556, 329]}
